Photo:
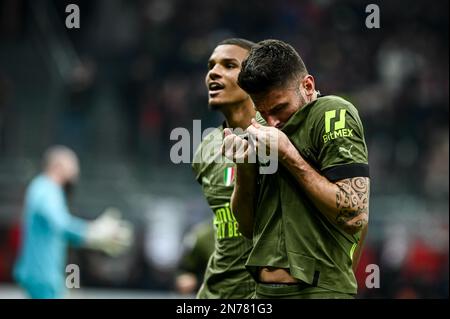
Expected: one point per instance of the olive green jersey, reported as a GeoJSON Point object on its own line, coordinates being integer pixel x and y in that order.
{"type": "Point", "coordinates": [198, 245]}
{"type": "Point", "coordinates": [289, 231]}
{"type": "Point", "coordinates": [226, 275]}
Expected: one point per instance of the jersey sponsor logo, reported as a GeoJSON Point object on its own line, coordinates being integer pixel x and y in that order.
{"type": "Point", "coordinates": [335, 126]}
{"type": "Point", "coordinates": [346, 151]}
{"type": "Point", "coordinates": [225, 223]}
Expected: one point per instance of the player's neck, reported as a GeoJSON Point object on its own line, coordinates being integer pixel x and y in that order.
{"type": "Point", "coordinates": [55, 177]}
{"type": "Point", "coordinates": [239, 115]}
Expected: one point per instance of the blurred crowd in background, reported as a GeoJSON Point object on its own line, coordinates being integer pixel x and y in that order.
{"type": "Point", "coordinates": [114, 89]}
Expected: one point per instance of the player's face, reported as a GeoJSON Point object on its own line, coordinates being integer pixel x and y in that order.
{"type": "Point", "coordinates": [72, 170]}
{"type": "Point", "coordinates": [224, 66]}
{"type": "Point", "coordinates": [279, 104]}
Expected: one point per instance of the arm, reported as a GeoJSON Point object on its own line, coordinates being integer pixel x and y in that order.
{"type": "Point", "coordinates": [75, 230]}
{"type": "Point", "coordinates": [345, 202]}
{"type": "Point", "coordinates": [108, 232]}
{"type": "Point", "coordinates": [358, 251]}
{"type": "Point", "coordinates": [57, 214]}
{"type": "Point", "coordinates": [242, 199]}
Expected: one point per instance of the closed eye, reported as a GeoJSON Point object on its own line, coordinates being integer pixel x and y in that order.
{"type": "Point", "coordinates": [278, 108]}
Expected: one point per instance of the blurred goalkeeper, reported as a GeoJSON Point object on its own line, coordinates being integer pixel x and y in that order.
{"type": "Point", "coordinates": [48, 227]}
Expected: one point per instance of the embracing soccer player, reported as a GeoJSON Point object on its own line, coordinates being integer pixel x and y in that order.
{"type": "Point", "coordinates": [306, 220]}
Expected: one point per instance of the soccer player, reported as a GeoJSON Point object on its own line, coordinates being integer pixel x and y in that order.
{"type": "Point", "coordinates": [306, 219]}
{"type": "Point", "coordinates": [48, 226]}
{"type": "Point", "coordinates": [226, 275]}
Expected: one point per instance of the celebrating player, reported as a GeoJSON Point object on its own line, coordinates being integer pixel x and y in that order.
{"type": "Point", "coordinates": [226, 276]}
{"type": "Point", "coordinates": [306, 220]}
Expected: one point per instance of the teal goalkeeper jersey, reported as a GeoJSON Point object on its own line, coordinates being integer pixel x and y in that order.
{"type": "Point", "coordinates": [48, 227]}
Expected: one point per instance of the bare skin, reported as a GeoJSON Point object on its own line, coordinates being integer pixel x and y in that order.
{"type": "Point", "coordinates": [224, 94]}
{"type": "Point", "coordinates": [61, 165]}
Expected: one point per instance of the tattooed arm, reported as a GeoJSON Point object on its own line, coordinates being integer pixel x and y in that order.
{"type": "Point", "coordinates": [352, 202]}
{"type": "Point", "coordinates": [345, 202]}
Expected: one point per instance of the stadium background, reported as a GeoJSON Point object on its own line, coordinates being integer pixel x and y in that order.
{"type": "Point", "coordinates": [114, 89]}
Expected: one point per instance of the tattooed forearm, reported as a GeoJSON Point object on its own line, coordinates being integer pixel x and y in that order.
{"type": "Point", "coordinates": [344, 203]}
{"type": "Point", "coordinates": [352, 202]}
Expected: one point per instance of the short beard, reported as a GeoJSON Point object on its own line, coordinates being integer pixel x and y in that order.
{"type": "Point", "coordinates": [302, 101]}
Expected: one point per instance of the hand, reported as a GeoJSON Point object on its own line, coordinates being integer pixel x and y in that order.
{"type": "Point", "coordinates": [186, 283]}
{"type": "Point", "coordinates": [269, 141]}
{"type": "Point", "coordinates": [236, 148]}
{"type": "Point", "coordinates": [109, 233]}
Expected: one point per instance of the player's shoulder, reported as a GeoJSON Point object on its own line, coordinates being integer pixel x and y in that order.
{"type": "Point", "coordinates": [43, 193]}
{"type": "Point", "coordinates": [332, 102]}
{"type": "Point", "coordinates": [214, 136]}
{"type": "Point", "coordinates": [331, 106]}
{"type": "Point", "coordinates": [43, 186]}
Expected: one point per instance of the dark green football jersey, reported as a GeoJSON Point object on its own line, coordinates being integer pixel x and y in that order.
{"type": "Point", "coordinates": [226, 275]}
{"type": "Point", "coordinates": [289, 231]}
{"type": "Point", "coordinates": [198, 245]}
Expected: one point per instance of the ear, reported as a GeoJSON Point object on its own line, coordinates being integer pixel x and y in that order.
{"type": "Point", "coordinates": [308, 85]}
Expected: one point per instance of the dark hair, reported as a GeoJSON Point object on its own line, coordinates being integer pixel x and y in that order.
{"type": "Point", "coordinates": [270, 64]}
{"type": "Point", "coordinates": [243, 43]}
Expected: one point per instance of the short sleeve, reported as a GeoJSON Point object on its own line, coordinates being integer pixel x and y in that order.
{"type": "Point", "coordinates": [339, 140]}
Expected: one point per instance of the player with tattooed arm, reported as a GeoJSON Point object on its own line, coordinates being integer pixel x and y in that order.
{"type": "Point", "coordinates": [308, 218]}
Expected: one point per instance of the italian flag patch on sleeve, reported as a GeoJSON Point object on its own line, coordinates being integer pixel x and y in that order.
{"type": "Point", "coordinates": [228, 176]}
